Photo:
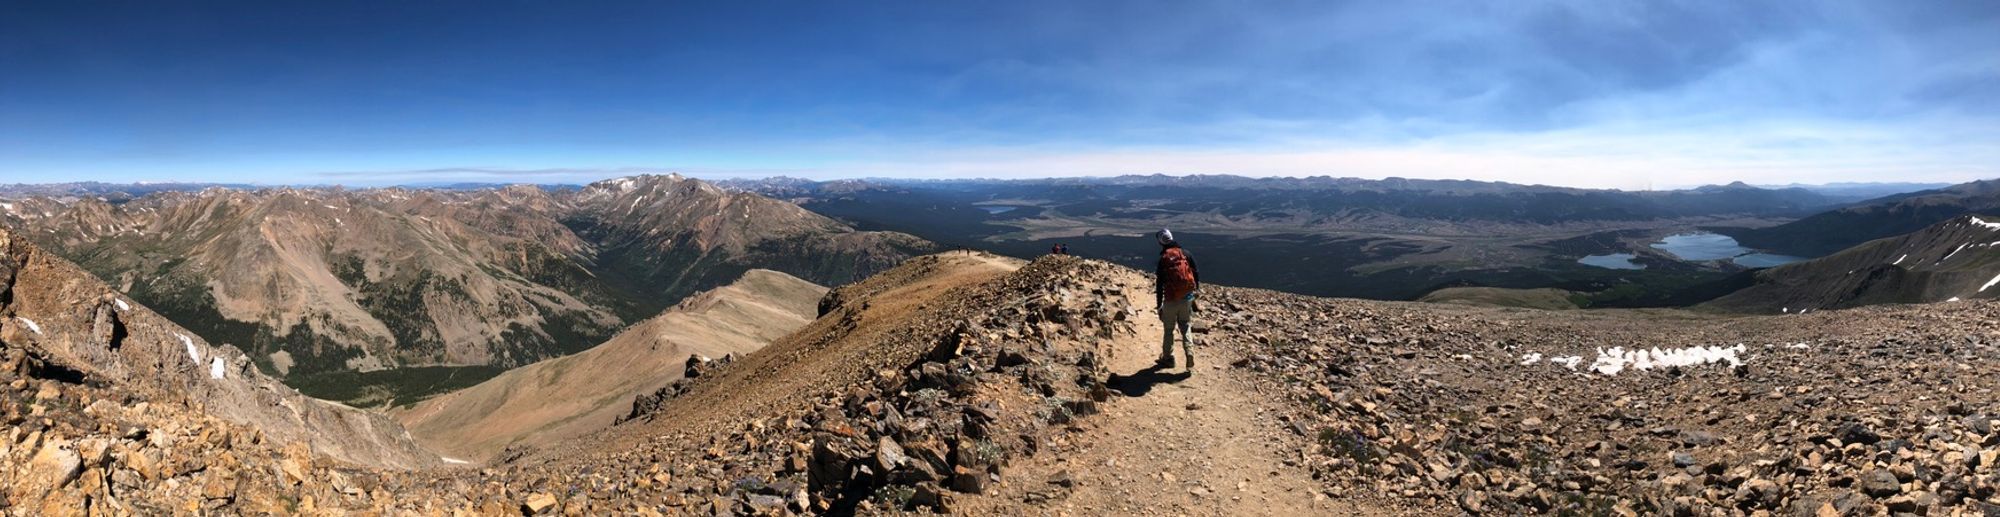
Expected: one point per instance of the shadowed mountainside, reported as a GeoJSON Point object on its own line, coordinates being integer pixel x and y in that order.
{"type": "Point", "coordinates": [1958, 259]}
{"type": "Point", "coordinates": [1832, 231]}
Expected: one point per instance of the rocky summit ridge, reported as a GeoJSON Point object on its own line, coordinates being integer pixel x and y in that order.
{"type": "Point", "coordinates": [111, 409]}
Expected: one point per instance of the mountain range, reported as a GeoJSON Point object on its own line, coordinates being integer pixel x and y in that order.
{"type": "Point", "coordinates": [967, 382]}
{"type": "Point", "coordinates": [1835, 230]}
{"type": "Point", "coordinates": [1958, 259]}
{"type": "Point", "coordinates": [1396, 239]}
{"type": "Point", "coordinates": [314, 282]}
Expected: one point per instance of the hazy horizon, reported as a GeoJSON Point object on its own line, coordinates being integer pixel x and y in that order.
{"type": "Point", "coordinates": [585, 179]}
{"type": "Point", "coordinates": [1635, 96]}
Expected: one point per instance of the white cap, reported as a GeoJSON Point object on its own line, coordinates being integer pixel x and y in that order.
{"type": "Point", "coordinates": [1165, 236]}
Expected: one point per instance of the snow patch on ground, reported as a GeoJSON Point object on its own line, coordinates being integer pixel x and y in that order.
{"type": "Point", "coordinates": [1899, 260]}
{"type": "Point", "coordinates": [1617, 359]}
{"type": "Point", "coordinates": [1566, 361]}
{"type": "Point", "coordinates": [215, 368]}
{"type": "Point", "coordinates": [454, 461]}
{"type": "Point", "coordinates": [31, 325]}
{"type": "Point", "coordinates": [1954, 251]}
{"type": "Point", "coordinates": [1989, 283]}
{"type": "Point", "coordinates": [1988, 224]}
{"type": "Point", "coordinates": [1953, 299]}
{"type": "Point", "coordinates": [122, 306]}
{"type": "Point", "coordinates": [193, 353]}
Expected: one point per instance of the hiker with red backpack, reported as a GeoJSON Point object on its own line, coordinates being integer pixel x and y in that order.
{"type": "Point", "coordinates": [1173, 289]}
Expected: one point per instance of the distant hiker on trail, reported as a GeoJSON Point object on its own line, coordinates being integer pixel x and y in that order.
{"type": "Point", "coordinates": [1057, 249]}
{"type": "Point", "coordinates": [1174, 292]}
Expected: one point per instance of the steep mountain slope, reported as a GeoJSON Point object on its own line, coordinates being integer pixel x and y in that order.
{"type": "Point", "coordinates": [659, 238]}
{"type": "Point", "coordinates": [1952, 260]}
{"type": "Point", "coordinates": [1835, 230]}
{"type": "Point", "coordinates": [310, 281]}
{"type": "Point", "coordinates": [81, 335]}
{"type": "Point", "coordinates": [562, 398]}
{"type": "Point", "coordinates": [976, 385]}
{"type": "Point", "coordinates": [320, 281]}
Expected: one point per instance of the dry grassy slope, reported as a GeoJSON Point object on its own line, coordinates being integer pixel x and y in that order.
{"type": "Point", "coordinates": [568, 396]}
{"type": "Point", "coordinates": [1955, 259]}
{"type": "Point", "coordinates": [1546, 298]}
{"type": "Point", "coordinates": [62, 314]}
{"type": "Point", "coordinates": [895, 315]}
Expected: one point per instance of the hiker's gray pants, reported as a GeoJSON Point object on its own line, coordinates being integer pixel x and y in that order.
{"type": "Point", "coordinates": [1175, 314]}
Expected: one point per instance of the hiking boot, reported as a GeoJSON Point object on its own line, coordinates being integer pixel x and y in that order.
{"type": "Point", "coordinates": [1190, 359]}
{"type": "Point", "coordinates": [1166, 361]}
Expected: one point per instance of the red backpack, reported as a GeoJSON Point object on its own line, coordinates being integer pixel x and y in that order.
{"type": "Point", "coordinates": [1176, 276]}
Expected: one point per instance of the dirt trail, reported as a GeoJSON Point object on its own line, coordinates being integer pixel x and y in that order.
{"type": "Point", "coordinates": [1177, 441]}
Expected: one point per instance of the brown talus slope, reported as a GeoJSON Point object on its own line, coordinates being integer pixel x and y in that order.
{"type": "Point", "coordinates": [567, 396]}
{"type": "Point", "coordinates": [1846, 412]}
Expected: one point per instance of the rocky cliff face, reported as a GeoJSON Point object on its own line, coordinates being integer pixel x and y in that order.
{"type": "Point", "coordinates": [326, 280]}
{"type": "Point", "coordinates": [112, 408]}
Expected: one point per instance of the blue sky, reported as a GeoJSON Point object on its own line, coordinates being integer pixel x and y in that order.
{"type": "Point", "coordinates": [1583, 93]}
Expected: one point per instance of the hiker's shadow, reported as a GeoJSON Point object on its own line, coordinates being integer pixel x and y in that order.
{"type": "Point", "coordinates": [1140, 382]}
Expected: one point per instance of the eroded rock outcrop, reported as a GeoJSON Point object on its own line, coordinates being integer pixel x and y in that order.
{"type": "Point", "coordinates": [112, 409]}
